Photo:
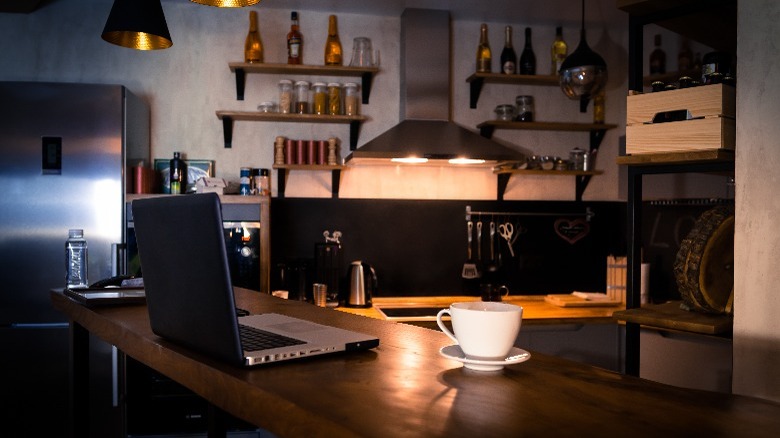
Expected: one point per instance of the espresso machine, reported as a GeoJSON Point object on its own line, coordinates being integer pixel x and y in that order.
{"type": "Point", "coordinates": [328, 260]}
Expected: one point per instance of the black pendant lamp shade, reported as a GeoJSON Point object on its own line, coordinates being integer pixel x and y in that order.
{"type": "Point", "coordinates": [137, 24]}
{"type": "Point", "coordinates": [227, 3]}
{"type": "Point", "coordinates": [583, 74]}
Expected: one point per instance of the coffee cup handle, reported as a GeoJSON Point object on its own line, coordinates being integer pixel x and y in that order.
{"type": "Point", "coordinates": [503, 291]}
{"type": "Point", "coordinates": [444, 327]}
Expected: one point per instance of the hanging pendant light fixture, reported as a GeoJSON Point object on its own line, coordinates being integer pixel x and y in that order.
{"type": "Point", "coordinates": [227, 3]}
{"type": "Point", "coordinates": [583, 74]}
{"type": "Point", "coordinates": [137, 24]}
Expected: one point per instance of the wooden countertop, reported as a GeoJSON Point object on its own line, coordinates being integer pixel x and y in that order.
{"type": "Point", "coordinates": [405, 387]}
{"type": "Point", "coordinates": [535, 309]}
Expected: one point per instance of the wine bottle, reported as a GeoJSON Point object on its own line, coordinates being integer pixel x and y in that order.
{"type": "Point", "coordinates": [294, 42]}
{"type": "Point", "coordinates": [253, 47]}
{"type": "Point", "coordinates": [527, 58]}
{"type": "Point", "coordinates": [484, 55]}
{"type": "Point", "coordinates": [508, 55]}
{"type": "Point", "coordinates": [657, 58]}
{"type": "Point", "coordinates": [333, 53]}
{"type": "Point", "coordinates": [558, 51]}
{"type": "Point", "coordinates": [177, 174]}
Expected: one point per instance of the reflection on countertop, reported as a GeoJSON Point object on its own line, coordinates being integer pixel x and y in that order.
{"type": "Point", "coordinates": [535, 309]}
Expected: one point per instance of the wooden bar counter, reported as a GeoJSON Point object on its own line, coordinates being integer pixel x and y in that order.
{"type": "Point", "coordinates": [405, 388]}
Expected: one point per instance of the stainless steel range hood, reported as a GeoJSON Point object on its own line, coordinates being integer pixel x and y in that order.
{"type": "Point", "coordinates": [427, 132]}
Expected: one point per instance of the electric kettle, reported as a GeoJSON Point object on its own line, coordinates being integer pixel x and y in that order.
{"type": "Point", "coordinates": [362, 284]}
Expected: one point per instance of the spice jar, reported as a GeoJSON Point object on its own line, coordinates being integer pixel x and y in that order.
{"type": "Point", "coordinates": [505, 112]}
{"type": "Point", "coordinates": [525, 108]}
{"type": "Point", "coordinates": [302, 97]}
{"type": "Point", "coordinates": [334, 98]}
{"type": "Point", "coordinates": [350, 99]}
{"type": "Point", "coordinates": [285, 96]}
{"type": "Point", "coordinates": [319, 98]}
{"type": "Point", "coordinates": [577, 159]}
{"type": "Point", "coordinates": [266, 107]}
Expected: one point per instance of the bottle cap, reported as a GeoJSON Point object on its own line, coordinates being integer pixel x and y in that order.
{"type": "Point", "coordinates": [285, 82]}
{"type": "Point", "coordinates": [318, 84]}
{"type": "Point", "coordinates": [75, 232]}
{"type": "Point", "coordinates": [334, 84]}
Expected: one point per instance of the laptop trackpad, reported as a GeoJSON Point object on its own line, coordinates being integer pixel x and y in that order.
{"type": "Point", "coordinates": [295, 327]}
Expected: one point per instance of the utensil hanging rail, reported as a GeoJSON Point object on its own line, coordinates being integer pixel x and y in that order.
{"type": "Point", "coordinates": [588, 213]}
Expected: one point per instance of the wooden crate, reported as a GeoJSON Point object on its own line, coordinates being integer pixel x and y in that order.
{"type": "Point", "coordinates": [712, 125]}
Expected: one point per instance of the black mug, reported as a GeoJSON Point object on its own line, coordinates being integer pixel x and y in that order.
{"type": "Point", "coordinates": [493, 293]}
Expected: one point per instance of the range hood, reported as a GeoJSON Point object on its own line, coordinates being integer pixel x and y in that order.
{"type": "Point", "coordinates": [427, 132]}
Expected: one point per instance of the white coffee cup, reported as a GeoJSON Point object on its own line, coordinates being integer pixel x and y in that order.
{"type": "Point", "coordinates": [484, 330]}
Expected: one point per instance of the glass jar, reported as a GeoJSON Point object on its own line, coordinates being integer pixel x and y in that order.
{"type": "Point", "coordinates": [350, 99]}
{"type": "Point", "coordinates": [334, 98]}
{"type": "Point", "coordinates": [319, 99]}
{"type": "Point", "coordinates": [525, 108]}
{"type": "Point", "coordinates": [267, 107]}
{"type": "Point", "coordinates": [505, 112]}
{"type": "Point", "coordinates": [577, 159]}
{"type": "Point", "coordinates": [302, 97]}
{"type": "Point", "coordinates": [285, 96]}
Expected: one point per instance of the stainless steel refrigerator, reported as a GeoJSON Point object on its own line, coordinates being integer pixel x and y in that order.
{"type": "Point", "coordinates": [64, 153]}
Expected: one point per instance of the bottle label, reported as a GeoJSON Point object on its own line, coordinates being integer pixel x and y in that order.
{"type": "Point", "coordinates": [509, 67]}
{"type": "Point", "coordinates": [295, 47]}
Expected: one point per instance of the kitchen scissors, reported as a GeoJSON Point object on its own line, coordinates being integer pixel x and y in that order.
{"type": "Point", "coordinates": [506, 231]}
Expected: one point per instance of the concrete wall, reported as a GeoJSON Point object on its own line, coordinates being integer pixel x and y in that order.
{"type": "Point", "coordinates": [187, 83]}
{"type": "Point", "coordinates": [757, 241]}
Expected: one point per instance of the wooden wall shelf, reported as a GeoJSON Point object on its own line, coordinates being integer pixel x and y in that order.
{"type": "Point", "coordinates": [241, 69]}
{"type": "Point", "coordinates": [229, 117]}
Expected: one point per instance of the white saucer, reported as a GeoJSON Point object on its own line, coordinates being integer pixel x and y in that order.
{"type": "Point", "coordinates": [516, 355]}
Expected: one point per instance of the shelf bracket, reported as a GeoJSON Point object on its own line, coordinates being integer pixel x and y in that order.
{"type": "Point", "coordinates": [596, 136]}
{"type": "Point", "coordinates": [503, 181]}
{"type": "Point", "coordinates": [581, 184]}
{"type": "Point", "coordinates": [366, 80]}
{"type": "Point", "coordinates": [227, 131]}
{"type": "Point", "coordinates": [335, 183]}
{"type": "Point", "coordinates": [475, 88]}
{"type": "Point", "coordinates": [354, 133]}
{"type": "Point", "coordinates": [281, 182]}
{"type": "Point", "coordinates": [487, 130]}
{"type": "Point", "coordinates": [240, 83]}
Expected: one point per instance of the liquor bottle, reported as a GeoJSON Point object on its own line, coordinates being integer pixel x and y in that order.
{"type": "Point", "coordinates": [558, 51]}
{"type": "Point", "coordinates": [527, 58]}
{"type": "Point", "coordinates": [598, 108]}
{"type": "Point", "coordinates": [76, 259]}
{"type": "Point", "coordinates": [333, 53]}
{"type": "Point", "coordinates": [294, 42]}
{"type": "Point", "coordinates": [177, 174]}
{"type": "Point", "coordinates": [253, 47]}
{"type": "Point", "coordinates": [657, 58]}
{"type": "Point", "coordinates": [484, 55]}
{"type": "Point", "coordinates": [508, 55]}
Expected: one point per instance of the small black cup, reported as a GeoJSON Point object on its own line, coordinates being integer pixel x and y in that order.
{"type": "Point", "coordinates": [492, 293]}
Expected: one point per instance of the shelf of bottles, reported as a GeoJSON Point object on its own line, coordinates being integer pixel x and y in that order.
{"type": "Point", "coordinates": [229, 117]}
{"type": "Point", "coordinates": [241, 69]}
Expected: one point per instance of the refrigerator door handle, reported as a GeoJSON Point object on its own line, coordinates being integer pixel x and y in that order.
{"type": "Point", "coordinates": [118, 254]}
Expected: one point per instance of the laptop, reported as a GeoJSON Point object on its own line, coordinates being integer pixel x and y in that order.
{"type": "Point", "coordinates": [190, 297]}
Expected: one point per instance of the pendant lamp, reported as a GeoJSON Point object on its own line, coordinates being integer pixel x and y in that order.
{"type": "Point", "coordinates": [583, 74]}
{"type": "Point", "coordinates": [137, 24]}
{"type": "Point", "coordinates": [227, 3]}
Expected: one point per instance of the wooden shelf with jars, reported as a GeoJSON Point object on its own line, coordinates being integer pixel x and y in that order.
{"type": "Point", "coordinates": [229, 117]}
{"type": "Point", "coordinates": [283, 171]}
{"type": "Point", "coordinates": [477, 80]}
{"type": "Point", "coordinates": [241, 69]}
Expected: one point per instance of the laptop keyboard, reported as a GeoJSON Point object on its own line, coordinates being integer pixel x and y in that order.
{"type": "Point", "coordinates": [254, 339]}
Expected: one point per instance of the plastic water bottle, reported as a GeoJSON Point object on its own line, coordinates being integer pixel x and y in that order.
{"type": "Point", "coordinates": [76, 260]}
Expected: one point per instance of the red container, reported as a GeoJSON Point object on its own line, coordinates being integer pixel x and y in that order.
{"type": "Point", "coordinates": [300, 152]}
{"type": "Point", "coordinates": [322, 152]}
{"type": "Point", "coordinates": [289, 151]}
{"type": "Point", "coordinates": [311, 152]}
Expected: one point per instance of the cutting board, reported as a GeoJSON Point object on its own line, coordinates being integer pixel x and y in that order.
{"type": "Point", "coordinates": [569, 300]}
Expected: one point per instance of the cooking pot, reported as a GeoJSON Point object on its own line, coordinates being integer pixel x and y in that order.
{"type": "Point", "coordinates": [362, 284]}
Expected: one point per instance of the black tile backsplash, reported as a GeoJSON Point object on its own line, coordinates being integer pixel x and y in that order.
{"type": "Point", "coordinates": [418, 247]}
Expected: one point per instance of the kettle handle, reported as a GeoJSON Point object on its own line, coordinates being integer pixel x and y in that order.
{"type": "Point", "coordinates": [374, 280]}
